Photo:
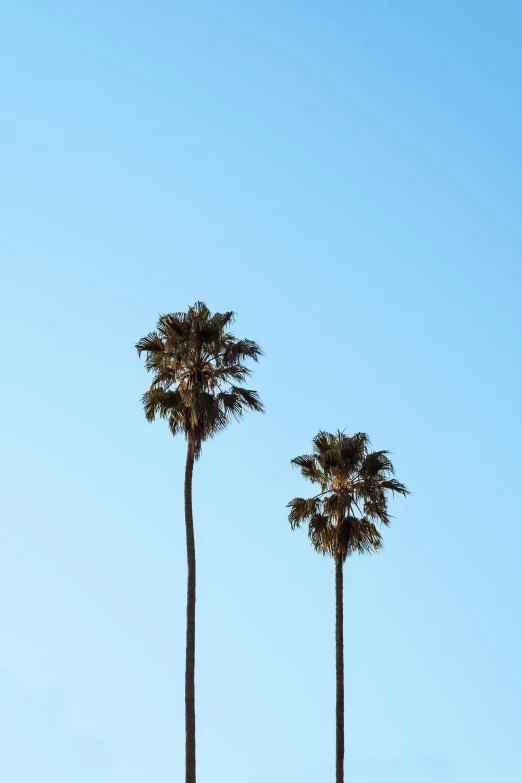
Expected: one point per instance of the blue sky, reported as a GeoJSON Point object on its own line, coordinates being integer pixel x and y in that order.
{"type": "Point", "coordinates": [347, 177]}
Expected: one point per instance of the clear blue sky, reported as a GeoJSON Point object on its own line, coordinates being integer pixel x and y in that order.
{"type": "Point", "coordinates": [347, 177]}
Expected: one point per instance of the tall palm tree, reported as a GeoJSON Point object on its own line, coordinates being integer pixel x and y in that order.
{"type": "Point", "coordinates": [198, 368]}
{"type": "Point", "coordinates": [342, 518]}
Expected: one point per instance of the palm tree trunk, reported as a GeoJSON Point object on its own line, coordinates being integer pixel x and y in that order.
{"type": "Point", "coordinates": [190, 708]}
{"type": "Point", "coordinates": [339, 672]}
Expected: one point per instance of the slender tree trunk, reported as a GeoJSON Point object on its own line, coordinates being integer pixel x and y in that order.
{"type": "Point", "coordinates": [339, 673]}
{"type": "Point", "coordinates": [190, 708]}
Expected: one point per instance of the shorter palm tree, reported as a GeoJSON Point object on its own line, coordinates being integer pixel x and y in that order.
{"type": "Point", "coordinates": [342, 519]}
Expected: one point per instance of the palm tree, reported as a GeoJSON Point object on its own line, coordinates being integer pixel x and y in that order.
{"type": "Point", "coordinates": [198, 368]}
{"type": "Point", "coordinates": [342, 519]}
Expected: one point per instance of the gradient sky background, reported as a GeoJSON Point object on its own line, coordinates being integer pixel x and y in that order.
{"type": "Point", "coordinates": [347, 177]}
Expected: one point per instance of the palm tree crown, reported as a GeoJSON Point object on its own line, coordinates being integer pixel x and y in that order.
{"type": "Point", "coordinates": [354, 484]}
{"type": "Point", "coordinates": [198, 368]}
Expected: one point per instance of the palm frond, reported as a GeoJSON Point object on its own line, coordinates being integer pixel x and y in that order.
{"type": "Point", "coordinates": [358, 534]}
{"type": "Point", "coordinates": [222, 320]}
{"type": "Point", "coordinates": [151, 343]}
{"type": "Point", "coordinates": [321, 534]}
{"type": "Point", "coordinates": [352, 450]}
{"type": "Point", "coordinates": [173, 327]}
{"type": "Point", "coordinates": [377, 508]}
{"type": "Point", "coordinates": [231, 404]}
{"type": "Point", "coordinates": [231, 373]}
{"type": "Point", "coordinates": [395, 486]}
{"type": "Point", "coordinates": [337, 503]}
{"type": "Point", "coordinates": [177, 425]}
{"type": "Point", "coordinates": [157, 402]}
{"type": "Point", "coordinates": [239, 350]}
{"type": "Point", "coordinates": [323, 442]}
{"type": "Point", "coordinates": [248, 398]}
{"type": "Point", "coordinates": [376, 463]}
{"type": "Point", "coordinates": [302, 509]}
{"type": "Point", "coordinates": [309, 467]}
